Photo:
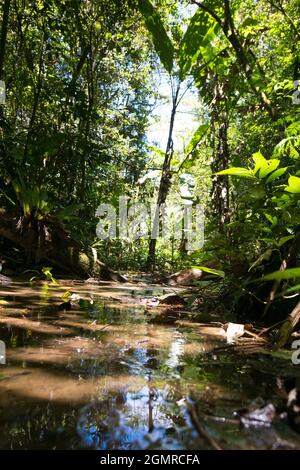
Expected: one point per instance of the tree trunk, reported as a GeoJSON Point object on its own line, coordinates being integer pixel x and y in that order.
{"type": "Point", "coordinates": [3, 37]}
{"type": "Point", "coordinates": [49, 241]}
{"type": "Point", "coordinates": [165, 181]}
{"type": "Point", "coordinates": [288, 326]}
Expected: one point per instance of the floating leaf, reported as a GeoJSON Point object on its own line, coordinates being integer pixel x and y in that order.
{"type": "Point", "coordinates": [49, 276]}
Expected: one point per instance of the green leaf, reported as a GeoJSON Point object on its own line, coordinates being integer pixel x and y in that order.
{"type": "Point", "coordinates": [161, 40]}
{"type": "Point", "coordinates": [293, 185]}
{"type": "Point", "coordinates": [271, 218]}
{"type": "Point", "coordinates": [196, 138]}
{"type": "Point", "coordinates": [66, 295]}
{"type": "Point", "coordinates": [270, 166]}
{"type": "Point", "coordinates": [216, 272]}
{"type": "Point", "coordinates": [279, 275]}
{"type": "Point", "coordinates": [69, 211]}
{"type": "Point", "coordinates": [156, 150]}
{"type": "Point", "coordinates": [259, 161]}
{"type": "Point", "coordinates": [285, 239]}
{"type": "Point", "coordinates": [237, 171]}
{"type": "Point", "coordinates": [276, 174]}
{"type": "Point", "coordinates": [264, 166]}
{"type": "Point", "coordinates": [293, 289]}
{"type": "Point", "coordinates": [200, 32]}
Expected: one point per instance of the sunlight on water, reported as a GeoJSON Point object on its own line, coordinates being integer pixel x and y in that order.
{"type": "Point", "coordinates": [101, 375]}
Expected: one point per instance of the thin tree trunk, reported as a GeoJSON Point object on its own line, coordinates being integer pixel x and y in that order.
{"type": "Point", "coordinates": [165, 181]}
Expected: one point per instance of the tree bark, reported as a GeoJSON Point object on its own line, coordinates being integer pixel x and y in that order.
{"type": "Point", "coordinates": [49, 241]}
{"type": "Point", "coordinates": [288, 326]}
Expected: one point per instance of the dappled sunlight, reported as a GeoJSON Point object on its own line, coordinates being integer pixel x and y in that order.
{"type": "Point", "coordinates": [118, 378]}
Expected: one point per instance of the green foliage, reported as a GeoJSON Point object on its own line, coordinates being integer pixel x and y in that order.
{"type": "Point", "coordinates": [161, 41]}
{"type": "Point", "coordinates": [33, 201]}
{"type": "Point", "coordinates": [198, 135]}
{"type": "Point", "coordinates": [200, 32]}
{"type": "Point", "coordinates": [46, 272]}
{"type": "Point", "coordinates": [293, 185]}
{"type": "Point", "coordinates": [79, 94]}
{"type": "Point", "coordinates": [235, 171]}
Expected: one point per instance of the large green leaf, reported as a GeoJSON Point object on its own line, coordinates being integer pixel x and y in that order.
{"type": "Point", "coordinates": [237, 171]}
{"type": "Point", "coordinates": [259, 161]}
{"type": "Point", "coordinates": [216, 272]}
{"type": "Point", "coordinates": [161, 40]}
{"type": "Point", "coordinates": [276, 174]}
{"type": "Point", "coordinates": [270, 166]}
{"type": "Point", "coordinates": [264, 166]}
{"type": "Point", "coordinates": [279, 275]}
{"type": "Point", "coordinates": [285, 239]}
{"type": "Point", "coordinates": [293, 185]}
{"type": "Point", "coordinates": [200, 32]}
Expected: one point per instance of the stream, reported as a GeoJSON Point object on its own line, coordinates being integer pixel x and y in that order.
{"type": "Point", "coordinates": [101, 375]}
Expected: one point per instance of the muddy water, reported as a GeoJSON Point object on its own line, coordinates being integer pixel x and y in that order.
{"type": "Point", "coordinates": [103, 375]}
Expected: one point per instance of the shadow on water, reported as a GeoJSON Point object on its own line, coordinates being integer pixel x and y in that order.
{"type": "Point", "coordinates": [101, 376]}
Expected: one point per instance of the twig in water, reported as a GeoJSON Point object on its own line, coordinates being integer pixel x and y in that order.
{"type": "Point", "coordinates": [200, 429]}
